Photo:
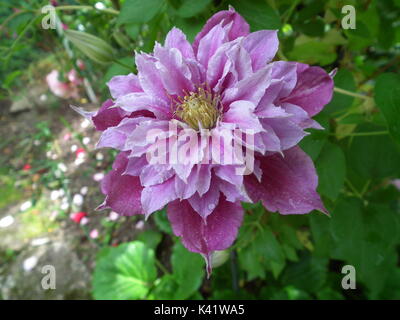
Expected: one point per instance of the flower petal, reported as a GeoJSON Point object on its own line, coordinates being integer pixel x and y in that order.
{"type": "Point", "coordinates": [171, 62]}
{"type": "Point", "coordinates": [288, 183]}
{"type": "Point", "coordinates": [237, 26]}
{"type": "Point", "coordinates": [262, 46]}
{"type": "Point", "coordinates": [217, 232]}
{"type": "Point", "coordinates": [251, 88]}
{"type": "Point", "coordinates": [314, 89]}
{"type": "Point", "coordinates": [177, 39]}
{"type": "Point", "coordinates": [122, 192]}
{"type": "Point", "coordinates": [149, 77]}
{"type": "Point", "coordinates": [140, 101]}
{"type": "Point", "coordinates": [206, 203]}
{"type": "Point", "coordinates": [121, 85]}
{"type": "Point", "coordinates": [156, 197]}
{"type": "Point", "coordinates": [241, 113]}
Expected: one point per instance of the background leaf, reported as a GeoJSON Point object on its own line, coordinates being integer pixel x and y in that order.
{"type": "Point", "coordinates": [387, 98]}
{"type": "Point", "coordinates": [124, 272]}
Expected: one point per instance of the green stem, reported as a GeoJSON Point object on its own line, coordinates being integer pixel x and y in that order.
{"type": "Point", "coordinates": [355, 191]}
{"type": "Point", "coordinates": [9, 18]}
{"type": "Point", "coordinates": [289, 12]}
{"type": "Point", "coordinates": [161, 266]}
{"type": "Point", "coordinates": [79, 7]}
{"type": "Point", "coordinates": [352, 94]}
{"type": "Point", "coordinates": [363, 134]}
{"type": "Point", "coordinates": [24, 30]}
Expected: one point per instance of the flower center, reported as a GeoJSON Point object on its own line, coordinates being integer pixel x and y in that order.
{"type": "Point", "coordinates": [198, 109]}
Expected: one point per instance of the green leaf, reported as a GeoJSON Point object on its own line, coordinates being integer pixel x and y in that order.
{"type": "Point", "coordinates": [190, 27]}
{"type": "Point", "coordinates": [138, 11]}
{"type": "Point", "coordinates": [309, 274]}
{"type": "Point", "coordinates": [313, 52]}
{"type": "Point", "coordinates": [331, 168]}
{"type": "Point", "coordinates": [373, 157]}
{"type": "Point", "coordinates": [117, 69]}
{"type": "Point", "coordinates": [343, 79]}
{"type": "Point", "coordinates": [190, 8]}
{"type": "Point", "coordinates": [124, 272]}
{"type": "Point", "coordinates": [188, 268]}
{"type": "Point", "coordinates": [313, 144]}
{"type": "Point", "coordinates": [263, 252]}
{"type": "Point", "coordinates": [165, 288]}
{"type": "Point", "coordinates": [387, 98]}
{"type": "Point", "coordinates": [161, 220]}
{"type": "Point", "coordinates": [365, 237]}
{"type": "Point", "coordinates": [320, 229]}
{"type": "Point", "coordinates": [258, 13]}
{"type": "Point", "coordinates": [151, 238]}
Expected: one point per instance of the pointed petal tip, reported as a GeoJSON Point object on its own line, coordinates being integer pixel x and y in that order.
{"type": "Point", "coordinates": [208, 260]}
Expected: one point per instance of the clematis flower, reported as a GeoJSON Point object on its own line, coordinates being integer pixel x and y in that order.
{"type": "Point", "coordinates": [226, 87]}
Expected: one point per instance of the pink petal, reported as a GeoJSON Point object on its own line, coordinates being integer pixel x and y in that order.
{"type": "Point", "coordinates": [314, 89]}
{"type": "Point", "coordinates": [210, 43]}
{"type": "Point", "coordinates": [122, 192]}
{"type": "Point", "coordinates": [262, 46]}
{"type": "Point", "coordinates": [177, 39]}
{"type": "Point", "coordinates": [115, 137]}
{"type": "Point", "coordinates": [216, 233]}
{"type": "Point", "coordinates": [205, 204]}
{"type": "Point", "coordinates": [288, 183]}
{"type": "Point", "coordinates": [155, 174]}
{"type": "Point", "coordinates": [121, 85]}
{"type": "Point", "coordinates": [105, 117]}
{"type": "Point", "coordinates": [149, 77]}
{"type": "Point", "coordinates": [174, 72]}
{"type": "Point", "coordinates": [156, 197]}
{"type": "Point", "coordinates": [237, 26]}
{"type": "Point", "coordinates": [140, 101]}
{"type": "Point", "coordinates": [241, 113]}
{"type": "Point", "coordinates": [251, 88]}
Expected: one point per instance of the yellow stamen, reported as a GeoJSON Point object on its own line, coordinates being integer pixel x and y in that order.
{"type": "Point", "coordinates": [198, 109]}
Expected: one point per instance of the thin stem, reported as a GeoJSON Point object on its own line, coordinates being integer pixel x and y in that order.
{"type": "Point", "coordinates": [363, 134]}
{"type": "Point", "coordinates": [9, 18]}
{"type": "Point", "coordinates": [24, 30]}
{"type": "Point", "coordinates": [365, 188]}
{"type": "Point", "coordinates": [234, 272]}
{"type": "Point", "coordinates": [161, 266]}
{"type": "Point", "coordinates": [78, 7]}
{"type": "Point", "coordinates": [352, 94]}
{"type": "Point", "coordinates": [355, 191]}
{"type": "Point", "coordinates": [289, 12]}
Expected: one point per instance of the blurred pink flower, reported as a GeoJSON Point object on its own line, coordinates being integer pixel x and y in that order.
{"type": "Point", "coordinates": [78, 216]}
{"type": "Point", "coordinates": [94, 234]}
{"type": "Point", "coordinates": [66, 90]}
{"type": "Point", "coordinates": [396, 183]}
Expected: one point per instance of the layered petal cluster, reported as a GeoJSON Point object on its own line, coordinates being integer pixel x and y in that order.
{"type": "Point", "coordinates": [226, 88]}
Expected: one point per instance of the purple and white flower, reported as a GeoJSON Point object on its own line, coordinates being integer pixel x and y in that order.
{"type": "Point", "coordinates": [224, 83]}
